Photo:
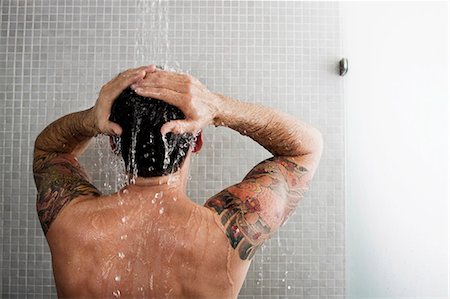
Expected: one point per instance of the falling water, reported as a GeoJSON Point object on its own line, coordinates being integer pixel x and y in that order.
{"type": "Point", "coordinates": [110, 167]}
{"type": "Point", "coordinates": [152, 41]}
{"type": "Point", "coordinates": [151, 47]}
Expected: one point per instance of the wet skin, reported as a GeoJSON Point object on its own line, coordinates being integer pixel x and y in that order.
{"type": "Point", "coordinates": [124, 243]}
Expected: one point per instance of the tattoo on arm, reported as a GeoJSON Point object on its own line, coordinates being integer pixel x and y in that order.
{"type": "Point", "coordinates": [59, 179]}
{"type": "Point", "coordinates": [254, 209]}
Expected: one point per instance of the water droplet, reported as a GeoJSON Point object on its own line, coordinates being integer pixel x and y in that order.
{"type": "Point", "coordinates": [117, 278]}
{"type": "Point", "coordinates": [124, 219]}
{"type": "Point", "coordinates": [121, 255]}
{"type": "Point", "coordinates": [151, 282]}
{"type": "Point", "coordinates": [125, 191]}
{"type": "Point", "coordinates": [283, 280]}
{"type": "Point", "coordinates": [120, 202]}
{"type": "Point", "coordinates": [174, 198]}
{"type": "Point", "coordinates": [123, 237]}
{"type": "Point", "coordinates": [173, 179]}
{"type": "Point", "coordinates": [159, 194]}
{"type": "Point", "coordinates": [146, 155]}
{"type": "Point", "coordinates": [289, 287]}
{"type": "Point", "coordinates": [116, 294]}
{"type": "Point", "coordinates": [161, 211]}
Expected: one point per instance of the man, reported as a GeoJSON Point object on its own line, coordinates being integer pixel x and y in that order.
{"type": "Point", "coordinates": [149, 239]}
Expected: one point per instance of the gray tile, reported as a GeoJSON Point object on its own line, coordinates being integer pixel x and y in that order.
{"type": "Point", "coordinates": [54, 56]}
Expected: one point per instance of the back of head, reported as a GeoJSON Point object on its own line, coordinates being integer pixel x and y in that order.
{"type": "Point", "coordinates": [143, 148]}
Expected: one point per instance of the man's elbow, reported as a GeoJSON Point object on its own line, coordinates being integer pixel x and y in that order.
{"type": "Point", "coordinates": [314, 143]}
{"type": "Point", "coordinates": [318, 142]}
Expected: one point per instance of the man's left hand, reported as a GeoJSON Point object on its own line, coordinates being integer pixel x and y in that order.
{"type": "Point", "coordinates": [109, 93]}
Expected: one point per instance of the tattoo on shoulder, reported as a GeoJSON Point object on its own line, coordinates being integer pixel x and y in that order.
{"type": "Point", "coordinates": [245, 234]}
{"type": "Point", "coordinates": [251, 211]}
{"type": "Point", "coordinates": [59, 179]}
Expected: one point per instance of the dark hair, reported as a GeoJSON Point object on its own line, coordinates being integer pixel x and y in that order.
{"type": "Point", "coordinates": [141, 144]}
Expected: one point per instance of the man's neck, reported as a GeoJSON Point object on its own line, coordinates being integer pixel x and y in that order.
{"type": "Point", "coordinates": [175, 182]}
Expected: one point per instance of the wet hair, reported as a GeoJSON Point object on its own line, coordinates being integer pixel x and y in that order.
{"type": "Point", "coordinates": [141, 144]}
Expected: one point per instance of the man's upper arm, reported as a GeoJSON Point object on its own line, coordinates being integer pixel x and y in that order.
{"type": "Point", "coordinates": [251, 211]}
{"type": "Point", "coordinates": [59, 179]}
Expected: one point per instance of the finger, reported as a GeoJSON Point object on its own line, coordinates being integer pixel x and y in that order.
{"type": "Point", "coordinates": [180, 127]}
{"type": "Point", "coordinates": [169, 96]}
{"type": "Point", "coordinates": [112, 129]}
{"type": "Point", "coordinates": [163, 83]}
{"type": "Point", "coordinates": [119, 84]}
{"type": "Point", "coordinates": [172, 76]}
{"type": "Point", "coordinates": [128, 77]}
{"type": "Point", "coordinates": [131, 72]}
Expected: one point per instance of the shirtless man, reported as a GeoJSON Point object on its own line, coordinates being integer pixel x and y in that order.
{"type": "Point", "coordinates": [149, 240]}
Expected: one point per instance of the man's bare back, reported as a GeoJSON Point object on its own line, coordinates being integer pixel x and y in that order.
{"type": "Point", "coordinates": [150, 240]}
{"type": "Point", "coordinates": [139, 245]}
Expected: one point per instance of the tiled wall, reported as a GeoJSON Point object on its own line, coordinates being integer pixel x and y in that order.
{"type": "Point", "coordinates": [55, 55]}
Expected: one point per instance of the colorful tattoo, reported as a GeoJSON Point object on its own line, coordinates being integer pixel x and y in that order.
{"type": "Point", "coordinates": [59, 179]}
{"type": "Point", "coordinates": [254, 209]}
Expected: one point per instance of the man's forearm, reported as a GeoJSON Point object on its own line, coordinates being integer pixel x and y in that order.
{"type": "Point", "coordinates": [278, 132]}
{"type": "Point", "coordinates": [69, 134]}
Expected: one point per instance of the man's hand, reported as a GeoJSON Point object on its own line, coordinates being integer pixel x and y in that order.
{"type": "Point", "coordinates": [109, 93]}
{"type": "Point", "coordinates": [198, 104]}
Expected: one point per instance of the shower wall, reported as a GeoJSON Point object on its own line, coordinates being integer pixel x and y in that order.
{"type": "Point", "coordinates": [56, 54]}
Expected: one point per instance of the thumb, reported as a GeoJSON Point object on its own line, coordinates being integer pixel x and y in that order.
{"type": "Point", "coordinates": [179, 127]}
{"type": "Point", "coordinates": [113, 129]}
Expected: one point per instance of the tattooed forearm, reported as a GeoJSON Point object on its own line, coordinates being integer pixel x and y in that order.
{"type": "Point", "coordinates": [254, 209]}
{"type": "Point", "coordinates": [69, 134]}
{"type": "Point", "coordinates": [59, 179]}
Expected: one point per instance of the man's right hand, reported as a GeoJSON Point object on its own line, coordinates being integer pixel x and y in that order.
{"type": "Point", "coordinates": [199, 105]}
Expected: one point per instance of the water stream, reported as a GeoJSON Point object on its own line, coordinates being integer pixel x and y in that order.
{"type": "Point", "coordinates": [151, 47]}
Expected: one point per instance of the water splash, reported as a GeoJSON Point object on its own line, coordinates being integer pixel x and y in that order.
{"type": "Point", "coordinates": [173, 180]}
{"type": "Point", "coordinates": [116, 293]}
{"type": "Point", "coordinates": [167, 152]}
{"type": "Point", "coordinates": [132, 166]}
{"type": "Point", "coordinates": [110, 168]}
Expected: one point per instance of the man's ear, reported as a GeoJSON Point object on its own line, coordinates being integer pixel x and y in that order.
{"type": "Point", "coordinates": [198, 143]}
